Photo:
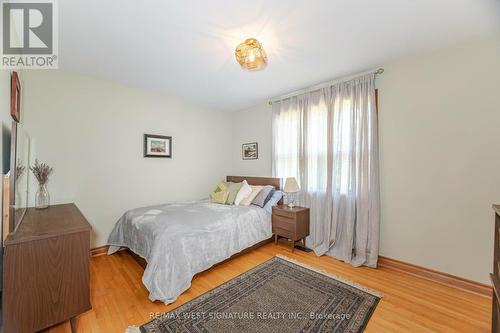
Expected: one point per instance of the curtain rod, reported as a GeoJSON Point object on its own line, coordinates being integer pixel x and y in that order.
{"type": "Point", "coordinates": [376, 71]}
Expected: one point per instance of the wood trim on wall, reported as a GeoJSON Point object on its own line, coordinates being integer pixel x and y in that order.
{"type": "Point", "coordinates": [99, 251]}
{"type": "Point", "coordinates": [435, 276]}
{"type": "Point", "coordinates": [422, 272]}
{"type": "Point", "coordinates": [102, 250]}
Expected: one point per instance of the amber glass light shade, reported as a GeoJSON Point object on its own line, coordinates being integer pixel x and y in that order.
{"type": "Point", "coordinates": [250, 55]}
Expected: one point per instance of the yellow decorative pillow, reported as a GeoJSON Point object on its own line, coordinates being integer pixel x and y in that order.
{"type": "Point", "coordinates": [220, 194]}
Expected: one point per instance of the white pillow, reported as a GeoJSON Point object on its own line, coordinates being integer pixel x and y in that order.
{"type": "Point", "coordinates": [244, 192]}
{"type": "Point", "coordinates": [248, 199]}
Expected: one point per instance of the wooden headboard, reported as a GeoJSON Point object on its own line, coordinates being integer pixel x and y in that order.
{"type": "Point", "coordinates": [276, 182]}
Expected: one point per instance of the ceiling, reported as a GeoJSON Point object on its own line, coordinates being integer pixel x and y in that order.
{"type": "Point", "coordinates": [186, 47]}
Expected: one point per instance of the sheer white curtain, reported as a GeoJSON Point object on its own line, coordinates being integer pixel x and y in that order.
{"type": "Point", "coordinates": [328, 140]}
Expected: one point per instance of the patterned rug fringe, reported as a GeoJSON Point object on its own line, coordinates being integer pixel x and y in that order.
{"type": "Point", "coordinates": [133, 329]}
{"type": "Point", "coordinates": [333, 276]}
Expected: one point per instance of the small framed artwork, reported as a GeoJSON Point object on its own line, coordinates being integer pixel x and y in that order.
{"type": "Point", "coordinates": [250, 151]}
{"type": "Point", "coordinates": [15, 97]}
{"type": "Point", "coordinates": [157, 146]}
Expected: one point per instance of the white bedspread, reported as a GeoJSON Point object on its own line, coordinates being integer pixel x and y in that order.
{"type": "Point", "coordinates": [182, 239]}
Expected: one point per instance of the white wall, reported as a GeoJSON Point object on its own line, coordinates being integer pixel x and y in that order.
{"type": "Point", "coordinates": [252, 125]}
{"type": "Point", "coordinates": [439, 156]}
{"type": "Point", "coordinates": [91, 132]}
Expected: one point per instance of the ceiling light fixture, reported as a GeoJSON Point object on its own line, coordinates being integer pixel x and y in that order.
{"type": "Point", "coordinates": [250, 55]}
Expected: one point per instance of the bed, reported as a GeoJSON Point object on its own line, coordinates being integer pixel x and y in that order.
{"type": "Point", "coordinates": [175, 241]}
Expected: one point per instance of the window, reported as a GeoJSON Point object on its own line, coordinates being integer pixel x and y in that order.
{"type": "Point", "coordinates": [306, 135]}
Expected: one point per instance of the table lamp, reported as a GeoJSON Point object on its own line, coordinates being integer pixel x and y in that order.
{"type": "Point", "coordinates": [291, 187]}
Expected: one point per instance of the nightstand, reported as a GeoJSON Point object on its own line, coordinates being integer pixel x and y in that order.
{"type": "Point", "coordinates": [292, 223]}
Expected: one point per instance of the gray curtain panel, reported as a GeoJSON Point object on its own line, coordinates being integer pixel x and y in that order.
{"type": "Point", "coordinates": [328, 140]}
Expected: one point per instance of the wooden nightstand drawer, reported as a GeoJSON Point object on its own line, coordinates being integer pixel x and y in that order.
{"type": "Point", "coordinates": [284, 213]}
{"type": "Point", "coordinates": [284, 232]}
{"type": "Point", "coordinates": [284, 222]}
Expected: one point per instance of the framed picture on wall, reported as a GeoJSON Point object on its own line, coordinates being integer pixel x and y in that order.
{"type": "Point", "coordinates": [157, 146]}
{"type": "Point", "coordinates": [250, 151]}
{"type": "Point", "coordinates": [15, 97]}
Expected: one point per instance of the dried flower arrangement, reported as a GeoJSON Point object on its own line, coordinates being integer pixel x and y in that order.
{"type": "Point", "coordinates": [41, 172]}
{"type": "Point", "coordinates": [19, 170]}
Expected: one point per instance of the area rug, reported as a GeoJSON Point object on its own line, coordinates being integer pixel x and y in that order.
{"type": "Point", "coordinates": [280, 295]}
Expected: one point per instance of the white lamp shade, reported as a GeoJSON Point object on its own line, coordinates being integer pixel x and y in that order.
{"type": "Point", "coordinates": [291, 185]}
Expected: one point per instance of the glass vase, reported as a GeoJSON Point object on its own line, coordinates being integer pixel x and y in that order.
{"type": "Point", "coordinates": [18, 198]}
{"type": "Point", "coordinates": [42, 197]}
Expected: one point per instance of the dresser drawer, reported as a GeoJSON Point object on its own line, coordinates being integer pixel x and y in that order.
{"type": "Point", "coordinates": [284, 213]}
{"type": "Point", "coordinates": [284, 222]}
{"type": "Point", "coordinates": [283, 232]}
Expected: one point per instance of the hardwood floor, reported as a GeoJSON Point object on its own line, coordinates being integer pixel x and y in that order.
{"type": "Point", "coordinates": [410, 304]}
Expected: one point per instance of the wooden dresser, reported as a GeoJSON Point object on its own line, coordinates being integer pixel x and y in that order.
{"type": "Point", "coordinates": [46, 269]}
